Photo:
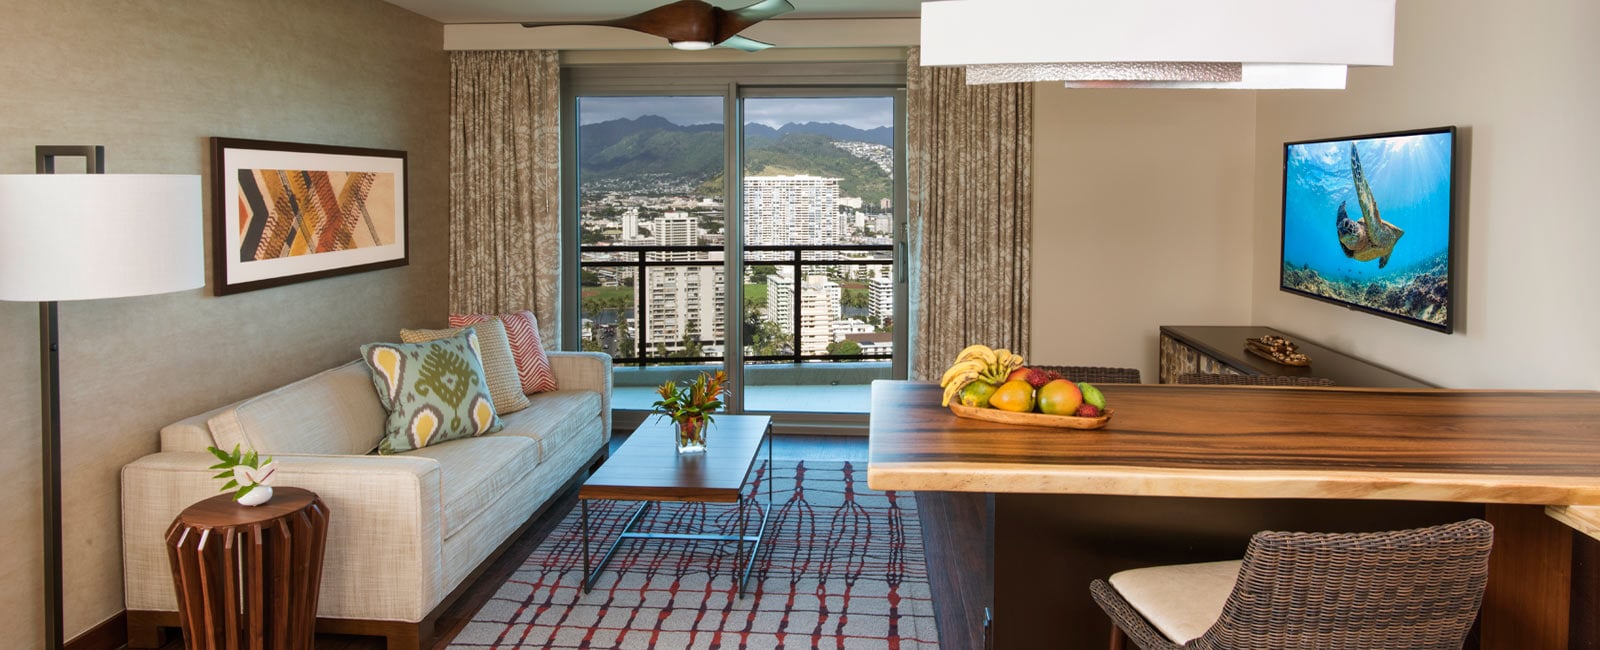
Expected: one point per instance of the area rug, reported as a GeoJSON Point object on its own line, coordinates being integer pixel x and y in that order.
{"type": "Point", "coordinates": [842, 568]}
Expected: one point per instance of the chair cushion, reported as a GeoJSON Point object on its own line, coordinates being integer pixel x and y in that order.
{"type": "Point", "coordinates": [526, 348]}
{"type": "Point", "coordinates": [434, 391]}
{"type": "Point", "coordinates": [476, 472]}
{"type": "Point", "coordinates": [505, 386]}
{"type": "Point", "coordinates": [555, 418]}
{"type": "Point", "coordinates": [1180, 600]}
{"type": "Point", "coordinates": [332, 412]}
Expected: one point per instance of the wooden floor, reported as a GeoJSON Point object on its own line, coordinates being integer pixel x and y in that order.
{"type": "Point", "coordinates": [785, 447]}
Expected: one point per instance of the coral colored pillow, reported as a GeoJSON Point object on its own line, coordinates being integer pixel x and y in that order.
{"type": "Point", "coordinates": [526, 349]}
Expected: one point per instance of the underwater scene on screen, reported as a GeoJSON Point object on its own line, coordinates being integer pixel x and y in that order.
{"type": "Point", "coordinates": [1367, 222]}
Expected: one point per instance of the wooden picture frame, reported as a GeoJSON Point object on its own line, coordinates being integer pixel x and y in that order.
{"type": "Point", "coordinates": [285, 212]}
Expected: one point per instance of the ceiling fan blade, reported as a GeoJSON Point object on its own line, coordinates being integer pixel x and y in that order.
{"type": "Point", "coordinates": [737, 20]}
{"type": "Point", "coordinates": [745, 44]}
{"type": "Point", "coordinates": [684, 20]}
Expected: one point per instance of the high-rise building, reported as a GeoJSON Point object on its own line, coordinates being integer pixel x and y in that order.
{"type": "Point", "coordinates": [683, 301]}
{"type": "Point", "coordinates": [819, 303]}
{"type": "Point", "coordinates": [787, 210]}
{"type": "Point", "coordinates": [880, 297]}
{"type": "Point", "coordinates": [630, 224]}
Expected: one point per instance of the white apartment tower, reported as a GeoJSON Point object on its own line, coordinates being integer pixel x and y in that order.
{"type": "Point", "coordinates": [630, 224]}
{"type": "Point", "coordinates": [683, 300]}
{"type": "Point", "coordinates": [820, 300]}
{"type": "Point", "coordinates": [880, 297]}
{"type": "Point", "coordinates": [787, 210]}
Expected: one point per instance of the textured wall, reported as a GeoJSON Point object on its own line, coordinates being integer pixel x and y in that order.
{"type": "Point", "coordinates": [151, 81]}
{"type": "Point", "coordinates": [1520, 80]}
{"type": "Point", "coordinates": [1141, 218]}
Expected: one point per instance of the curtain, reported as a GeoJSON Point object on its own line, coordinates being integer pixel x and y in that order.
{"type": "Point", "coordinates": [505, 185]}
{"type": "Point", "coordinates": [970, 211]}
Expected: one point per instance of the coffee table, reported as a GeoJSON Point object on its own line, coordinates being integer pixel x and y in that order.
{"type": "Point", "coordinates": [648, 468]}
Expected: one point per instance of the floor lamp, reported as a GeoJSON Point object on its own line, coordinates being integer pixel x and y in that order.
{"type": "Point", "coordinates": [84, 237]}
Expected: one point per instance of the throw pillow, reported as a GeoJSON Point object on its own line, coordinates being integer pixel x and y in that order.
{"type": "Point", "coordinates": [505, 386]}
{"type": "Point", "coordinates": [433, 391]}
{"type": "Point", "coordinates": [526, 348]}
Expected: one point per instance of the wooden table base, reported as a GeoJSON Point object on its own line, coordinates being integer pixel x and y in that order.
{"type": "Point", "coordinates": [248, 577]}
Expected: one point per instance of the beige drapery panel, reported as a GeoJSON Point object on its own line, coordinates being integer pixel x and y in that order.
{"type": "Point", "coordinates": [505, 185]}
{"type": "Point", "coordinates": [970, 210]}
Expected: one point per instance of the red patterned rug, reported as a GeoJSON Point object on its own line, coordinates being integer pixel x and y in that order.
{"type": "Point", "coordinates": [842, 567]}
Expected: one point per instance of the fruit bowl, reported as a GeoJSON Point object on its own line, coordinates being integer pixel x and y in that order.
{"type": "Point", "coordinates": [1031, 419]}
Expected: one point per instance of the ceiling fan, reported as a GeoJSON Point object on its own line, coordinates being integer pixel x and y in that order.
{"type": "Point", "coordinates": [696, 24]}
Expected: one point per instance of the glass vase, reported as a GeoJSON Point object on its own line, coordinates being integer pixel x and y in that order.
{"type": "Point", "coordinates": [691, 435]}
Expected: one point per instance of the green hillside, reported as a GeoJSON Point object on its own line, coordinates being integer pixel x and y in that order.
{"type": "Point", "coordinates": [655, 148]}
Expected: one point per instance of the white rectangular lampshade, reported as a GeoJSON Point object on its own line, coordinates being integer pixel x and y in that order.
{"type": "Point", "coordinates": [87, 236]}
{"type": "Point", "coordinates": [971, 32]}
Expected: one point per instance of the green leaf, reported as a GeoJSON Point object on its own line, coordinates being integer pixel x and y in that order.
{"type": "Point", "coordinates": [243, 491]}
{"type": "Point", "coordinates": [226, 474]}
{"type": "Point", "coordinates": [218, 453]}
{"type": "Point", "coordinates": [230, 485]}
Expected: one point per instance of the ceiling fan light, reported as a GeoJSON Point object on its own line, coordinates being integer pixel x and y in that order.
{"type": "Point", "coordinates": [692, 45]}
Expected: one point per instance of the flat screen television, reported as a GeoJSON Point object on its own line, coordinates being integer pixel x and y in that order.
{"type": "Point", "coordinates": [1367, 223]}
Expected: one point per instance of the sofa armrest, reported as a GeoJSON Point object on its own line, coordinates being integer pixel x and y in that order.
{"type": "Point", "coordinates": [586, 371]}
{"type": "Point", "coordinates": [384, 554]}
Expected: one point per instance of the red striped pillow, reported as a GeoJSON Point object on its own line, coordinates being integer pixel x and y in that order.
{"type": "Point", "coordinates": [522, 329]}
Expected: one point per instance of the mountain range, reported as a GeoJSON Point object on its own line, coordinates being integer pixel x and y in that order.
{"type": "Point", "coordinates": [651, 147]}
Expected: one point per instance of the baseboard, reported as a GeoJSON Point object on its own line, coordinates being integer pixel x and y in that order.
{"type": "Point", "coordinates": [110, 634]}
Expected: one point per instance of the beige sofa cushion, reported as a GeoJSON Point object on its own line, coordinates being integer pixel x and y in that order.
{"type": "Point", "coordinates": [476, 472]}
{"type": "Point", "coordinates": [191, 433]}
{"type": "Point", "coordinates": [332, 412]}
{"type": "Point", "coordinates": [555, 418]}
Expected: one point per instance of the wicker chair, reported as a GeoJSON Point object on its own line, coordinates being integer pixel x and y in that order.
{"type": "Point", "coordinates": [1417, 589]}
{"type": "Point", "coordinates": [1096, 374]}
{"type": "Point", "coordinates": [1253, 380]}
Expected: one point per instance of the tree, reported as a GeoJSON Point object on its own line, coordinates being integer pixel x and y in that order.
{"type": "Point", "coordinates": [760, 272]}
{"type": "Point", "coordinates": [854, 298]}
{"type": "Point", "coordinates": [590, 278]}
{"type": "Point", "coordinates": [844, 348]}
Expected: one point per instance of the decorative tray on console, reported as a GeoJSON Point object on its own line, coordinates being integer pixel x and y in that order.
{"type": "Point", "coordinates": [1031, 419]}
{"type": "Point", "coordinates": [1277, 349]}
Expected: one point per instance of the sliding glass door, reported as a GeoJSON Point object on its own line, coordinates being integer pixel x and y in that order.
{"type": "Point", "coordinates": [754, 230]}
{"type": "Point", "coordinates": [817, 199]}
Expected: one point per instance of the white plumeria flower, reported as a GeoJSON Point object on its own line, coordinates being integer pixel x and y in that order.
{"type": "Point", "coordinates": [255, 476]}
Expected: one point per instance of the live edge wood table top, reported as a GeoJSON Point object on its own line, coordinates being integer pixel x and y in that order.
{"type": "Point", "coordinates": [1478, 446]}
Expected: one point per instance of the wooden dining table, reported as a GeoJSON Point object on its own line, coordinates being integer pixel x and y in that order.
{"type": "Point", "coordinates": [1187, 473]}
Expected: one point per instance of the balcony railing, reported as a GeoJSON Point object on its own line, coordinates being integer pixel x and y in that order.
{"type": "Point", "coordinates": [795, 257]}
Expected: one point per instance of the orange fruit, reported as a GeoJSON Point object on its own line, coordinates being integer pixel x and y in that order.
{"type": "Point", "coordinates": [1015, 395]}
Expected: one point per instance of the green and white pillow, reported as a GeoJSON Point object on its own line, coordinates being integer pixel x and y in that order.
{"type": "Point", "coordinates": [434, 391]}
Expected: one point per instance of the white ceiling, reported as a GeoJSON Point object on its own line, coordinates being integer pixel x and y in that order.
{"type": "Point", "coordinates": [507, 11]}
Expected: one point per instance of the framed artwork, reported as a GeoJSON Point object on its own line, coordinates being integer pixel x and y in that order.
{"type": "Point", "coordinates": [285, 212]}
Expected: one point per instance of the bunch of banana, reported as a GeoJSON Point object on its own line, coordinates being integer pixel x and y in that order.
{"type": "Point", "coordinates": [978, 363]}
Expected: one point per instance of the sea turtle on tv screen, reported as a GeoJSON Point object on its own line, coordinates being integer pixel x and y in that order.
{"type": "Point", "coordinates": [1371, 238]}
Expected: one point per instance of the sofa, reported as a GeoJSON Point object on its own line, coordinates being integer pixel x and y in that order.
{"type": "Point", "coordinates": [406, 531]}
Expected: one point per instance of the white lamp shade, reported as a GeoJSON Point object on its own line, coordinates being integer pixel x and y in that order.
{"type": "Point", "coordinates": [87, 236]}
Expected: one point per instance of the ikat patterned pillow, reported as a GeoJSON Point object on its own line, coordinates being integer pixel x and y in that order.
{"type": "Point", "coordinates": [434, 391]}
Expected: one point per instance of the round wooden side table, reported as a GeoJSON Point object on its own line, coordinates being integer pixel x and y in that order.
{"type": "Point", "coordinates": [248, 576]}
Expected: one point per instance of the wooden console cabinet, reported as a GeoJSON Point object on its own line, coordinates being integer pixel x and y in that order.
{"type": "Point", "coordinates": [1211, 349]}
